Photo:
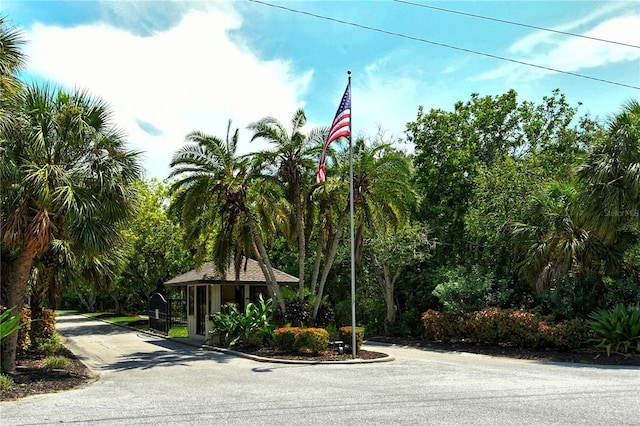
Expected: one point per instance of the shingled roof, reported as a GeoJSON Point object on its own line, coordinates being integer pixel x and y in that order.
{"type": "Point", "coordinates": [206, 274]}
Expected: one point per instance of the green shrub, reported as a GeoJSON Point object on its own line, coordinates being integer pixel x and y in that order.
{"type": "Point", "coordinates": [9, 324]}
{"type": "Point", "coordinates": [285, 338]}
{"type": "Point", "coordinates": [463, 290]}
{"type": "Point", "coordinates": [624, 291]}
{"type": "Point", "coordinates": [441, 326]}
{"type": "Point", "coordinates": [292, 339]}
{"type": "Point", "coordinates": [617, 329]}
{"type": "Point", "coordinates": [344, 333]}
{"type": "Point", "coordinates": [497, 326]}
{"type": "Point", "coordinates": [572, 295]}
{"type": "Point", "coordinates": [250, 327]}
{"type": "Point", "coordinates": [5, 382]}
{"type": "Point", "coordinates": [56, 362]}
{"type": "Point", "coordinates": [572, 334]}
{"type": "Point", "coordinates": [51, 346]}
{"type": "Point", "coordinates": [314, 339]}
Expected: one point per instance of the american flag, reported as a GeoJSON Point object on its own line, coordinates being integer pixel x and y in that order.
{"type": "Point", "coordinates": [341, 127]}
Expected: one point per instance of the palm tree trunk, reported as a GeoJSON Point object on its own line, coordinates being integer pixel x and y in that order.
{"type": "Point", "coordinates": [17, 288]}
{"type": "Point", "coordinates": [329, 262]}
{"type": "Point", "coordinates": [316, 263]}
{"type": "Point", "coordinates": [263, 258]}
{"type": "Point", "coordinates": [301, 246]}
{"type": "Point", "coordinates": [39, 289]}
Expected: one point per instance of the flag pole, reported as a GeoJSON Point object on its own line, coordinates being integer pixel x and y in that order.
{"type": "Point", "coordinates": [353, 259]}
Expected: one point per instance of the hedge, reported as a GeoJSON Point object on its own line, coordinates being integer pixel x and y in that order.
{"type": "Point", "coordinates": [292, 339]}
{"type": "Point", "coordinates": [497, 326]}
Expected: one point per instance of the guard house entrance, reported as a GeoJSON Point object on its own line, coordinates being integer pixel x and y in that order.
{"type": "Point", "coordinates": [165, 312]}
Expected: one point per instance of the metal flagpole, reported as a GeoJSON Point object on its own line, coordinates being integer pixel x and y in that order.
{"type": "Point", "coordinates": [353, 259]}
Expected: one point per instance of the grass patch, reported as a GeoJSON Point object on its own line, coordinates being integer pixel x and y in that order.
{"type": "Point", "coordinates": [93, 314]}
{"type": "Point", "coordinates": [56, 362]}
{"type": "Point", "coordinates": [126, 320]}
{"type": "Point", "coordinates": [5, 382]}
{"type": "Point", "coordinates": [179, 331]}
{"type": "Point", "coordinates": [59, 312]}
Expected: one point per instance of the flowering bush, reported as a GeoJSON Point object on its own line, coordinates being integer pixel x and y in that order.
{"type": "Point", "coordinates": [505, 326]}
{"type": "Point", "coordinates": [296, 339]}
{"type": "Point", "coordinates": [344, 333]}
{"type": "Point", "coordinates": [441, 326]}
{"type": "Point", "coordinates": [315, 339]}
{"type": "Point", "coordinates": [285, 338]}
{"type": "Point", "coordinates": [48, 326]}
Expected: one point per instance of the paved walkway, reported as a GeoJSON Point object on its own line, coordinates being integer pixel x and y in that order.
{"type": "Point", "coordinates": [151, 380]}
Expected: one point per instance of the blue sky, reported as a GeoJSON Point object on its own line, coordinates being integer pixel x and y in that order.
{"type": "Point", "coordinates": [170, 67]}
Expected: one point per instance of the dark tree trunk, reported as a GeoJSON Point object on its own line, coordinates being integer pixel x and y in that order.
{"type": "Point", "coordinates": [37, 299]}
{"type": "Point", "coordinates": [16, 290]}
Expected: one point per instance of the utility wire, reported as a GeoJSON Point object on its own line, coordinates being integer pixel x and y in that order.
{"type": "Point", "coordinates": [448, 46]}
{"type": "Point", "coordinates": [515, 23]}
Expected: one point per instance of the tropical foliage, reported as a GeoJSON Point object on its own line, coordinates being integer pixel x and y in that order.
{"type": "Point", "coordinates": [504, 204]}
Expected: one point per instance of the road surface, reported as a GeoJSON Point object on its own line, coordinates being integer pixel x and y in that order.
{"type": "Point", "coordinates": [147, 380]}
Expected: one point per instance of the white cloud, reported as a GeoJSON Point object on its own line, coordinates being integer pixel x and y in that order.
{"type": "Point", "coordinates": [572, 54]}
{"type": "Point", "coordinates": [190, 77]}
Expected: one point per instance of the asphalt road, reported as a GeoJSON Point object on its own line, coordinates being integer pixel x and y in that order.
{"type": "Point", "coordinates": [149, 380]}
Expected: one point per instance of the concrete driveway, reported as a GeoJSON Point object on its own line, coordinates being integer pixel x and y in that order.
{"type": "Point", "coordinates": [149, 380]}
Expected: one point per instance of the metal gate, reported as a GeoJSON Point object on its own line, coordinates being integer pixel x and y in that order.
{"type": "Point", "coordinates": [159, 313]}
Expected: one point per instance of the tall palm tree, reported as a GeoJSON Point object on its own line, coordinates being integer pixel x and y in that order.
{"type": "Point", "coordinates": [611, 173]}
{"type": "Point", "coordinates": [12, 59]}
{"type": "Point", "coordinates": [292, 161]}
{"type": "Point", "coordinates": [70, 178]}
{"type": "Point", "coordinates": [382, 197]}
{"type": "Point", "coordinates": [211, 202]}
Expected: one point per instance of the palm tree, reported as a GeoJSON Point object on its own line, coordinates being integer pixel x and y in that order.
{"type": "Point", "coordinates": [11, 61]}
{"type": "Point", "coordinates": [611, 173]}
{"type": "Point", "coordinates": [211, 202]}
{"type": "Point", "coordinates": [556, 238]}
{"type": "Point", "coordinates": [292, 160]}
{"type": "Point", "coordinates": [382, 197]}
{"type": "Point", "coordinates": [11, 58]}
{"type": "Point", "coordinates": [69, 177]}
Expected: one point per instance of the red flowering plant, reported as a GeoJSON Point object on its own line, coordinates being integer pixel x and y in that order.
{"type": "Point", "coordinates": [345, 335]}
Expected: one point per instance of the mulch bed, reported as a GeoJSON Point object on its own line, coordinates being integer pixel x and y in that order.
{"type": "Point", "coordinates": [33, 378]}
{"type": "Point", "coordinates": [322, 356]}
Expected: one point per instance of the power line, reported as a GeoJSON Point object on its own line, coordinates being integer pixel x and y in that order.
{"type": "Point", "coordinates": [503, 21]}
{"type": "Point", "coordinates": [448, 46]}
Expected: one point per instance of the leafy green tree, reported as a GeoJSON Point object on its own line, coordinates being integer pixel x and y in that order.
{"type": "Point", "coordinates": [451, 148]}
{"type": "Point", "coordinates": [154, 250]}
{"type": "Point", "coordinates": [211, 201]}
{"type": "Point", "coordinates": [70, 178]}
{"type": "Point", "coordinates": [475, 165]}
{"type": "Point", "coordinates": [389, 253]}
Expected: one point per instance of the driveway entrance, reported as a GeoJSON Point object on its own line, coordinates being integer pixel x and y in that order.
{"type": "Point", "coordinates": [150, 380]}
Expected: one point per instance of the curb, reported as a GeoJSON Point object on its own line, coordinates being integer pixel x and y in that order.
{"type": "Point", "coordinates": [386, 358]}
{"type": "Point", "coordinates": [204, 346]}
